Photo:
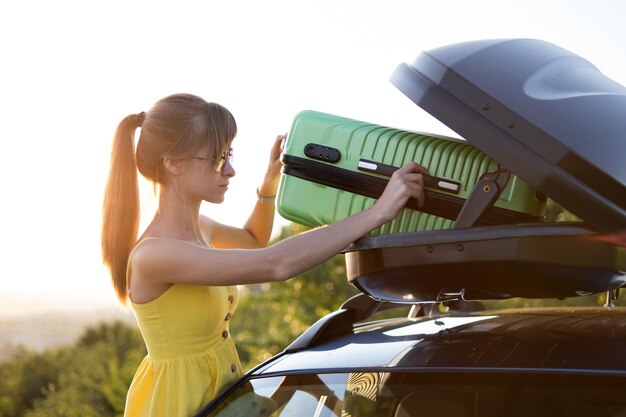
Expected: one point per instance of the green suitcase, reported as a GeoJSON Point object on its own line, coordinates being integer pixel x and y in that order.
{"type": "Point", "coordinates": [334, 167]}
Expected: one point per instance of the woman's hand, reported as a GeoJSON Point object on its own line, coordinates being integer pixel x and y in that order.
{"type": "Point", "coordinates": [270, 182]}
{"type": "Point", "coordinates": [407, 182]}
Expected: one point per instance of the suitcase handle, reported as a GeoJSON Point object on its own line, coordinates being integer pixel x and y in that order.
{"type": "Point", "coordinates": [429, 181]}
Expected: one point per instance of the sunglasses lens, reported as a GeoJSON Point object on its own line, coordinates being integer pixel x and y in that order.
{"type": "Point", "coordinates": [227, 156]}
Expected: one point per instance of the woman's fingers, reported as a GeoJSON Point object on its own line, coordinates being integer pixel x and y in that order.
{"type": "Point", "coordinates": [413, 167]}
{"type": "Point", "coordinates": [415, 178]}
{"type": "Point", "coordinates": [278, 143]}
{"type": "Point", "coordinates": [411, 177]}
{"type": "Point", "coordinates": [406, 182]}
{"type": "Point", "coordinates": [418, 193]}
{"type": "Point", "coordinates": [275, 163]}
{"type": "Point", "coordinates": [277, 148]}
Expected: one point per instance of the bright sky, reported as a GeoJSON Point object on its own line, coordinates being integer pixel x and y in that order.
{"type": "Point", "coordinates": [71, 70]}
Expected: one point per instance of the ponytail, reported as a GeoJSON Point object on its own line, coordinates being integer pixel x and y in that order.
{"type": "Point", "coordinates": [177, 126]}
{"type": "Point", "coordinates": [120, 217]}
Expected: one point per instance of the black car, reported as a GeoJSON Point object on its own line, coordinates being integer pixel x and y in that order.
{"type": "Point", "coordinates": [551, 118]}
{"type": "Point", "coordinates": [552, 362]}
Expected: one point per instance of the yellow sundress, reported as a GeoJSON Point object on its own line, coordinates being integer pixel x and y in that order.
{"type": "Point", "coordinates": [191, 355]}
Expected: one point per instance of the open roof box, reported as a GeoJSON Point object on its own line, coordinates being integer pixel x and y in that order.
{"type": "Point", "coordinates": [547, 116]}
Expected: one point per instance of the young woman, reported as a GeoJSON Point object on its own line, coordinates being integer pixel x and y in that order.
{"type": "Point", "coordinates": [181, 275]}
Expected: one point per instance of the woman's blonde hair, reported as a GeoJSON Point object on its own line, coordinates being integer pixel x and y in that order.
{"type": "Point", "coordinates": [177, 126]}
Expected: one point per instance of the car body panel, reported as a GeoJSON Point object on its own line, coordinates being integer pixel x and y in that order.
{"type": "Point", "coordinates": [592, 339]}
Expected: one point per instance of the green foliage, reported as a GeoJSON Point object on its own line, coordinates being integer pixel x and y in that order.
{"type": "Point", "coordinates": [26, 378]}
{"type": "Point", "coordinates": [270, 316]}
{"type": "Point", "coordinates": [556, 213]}
{"type": "Point", "coordinates": [90, 378]}
{"type": "Point", "coordinates": [595, 300]}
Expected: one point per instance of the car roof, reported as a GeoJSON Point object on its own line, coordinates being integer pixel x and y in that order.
{"type": "Point", "coordinates": [563, 339]}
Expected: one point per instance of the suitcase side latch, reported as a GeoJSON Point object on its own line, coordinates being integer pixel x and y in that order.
{"type": "Point", "coordinates": [484, 194]}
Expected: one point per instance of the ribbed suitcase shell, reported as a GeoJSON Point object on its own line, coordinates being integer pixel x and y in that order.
{"type": "Point", "coordinates": [310, 203]}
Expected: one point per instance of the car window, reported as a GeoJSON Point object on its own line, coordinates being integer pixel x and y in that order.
{"type": "Point", "coordinates": [294, 395]}
{"type": "Point", "coordinates": [420, 394]}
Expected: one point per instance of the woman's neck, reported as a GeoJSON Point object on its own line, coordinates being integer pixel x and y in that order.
{"type": "Point", "coordinates": [176, 218]}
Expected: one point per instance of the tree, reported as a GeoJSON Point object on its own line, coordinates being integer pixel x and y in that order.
{"type": "Point", "coordinates": [28, 377]}
{"type": "Point", "coordinates": [97, 377]}
{"type": "Point", "coordinates": [270, 316]}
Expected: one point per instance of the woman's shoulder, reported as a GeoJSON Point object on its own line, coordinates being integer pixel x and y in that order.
{"type": "Point", "coordinates": [161, 256]}
{"type": "Point", "coordinates": [147, 248]}
{"type": "Point", "coordinates": [145, 260]}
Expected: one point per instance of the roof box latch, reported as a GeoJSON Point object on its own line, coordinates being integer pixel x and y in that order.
{"type": "Point", "coordinates": [483, 196]}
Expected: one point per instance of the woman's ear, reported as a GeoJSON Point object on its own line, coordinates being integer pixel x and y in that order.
{"type": "Point", "coordinates": [173, 166]}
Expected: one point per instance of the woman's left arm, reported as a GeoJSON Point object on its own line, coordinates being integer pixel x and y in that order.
{"type": "Point", "coordinates": [257, 230]}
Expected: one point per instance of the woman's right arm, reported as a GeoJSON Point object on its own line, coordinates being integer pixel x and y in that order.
{"type": "Point", "coordinates": [168, 261]}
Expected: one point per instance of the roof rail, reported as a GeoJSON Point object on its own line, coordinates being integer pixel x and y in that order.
{"type": "Point", "coordinates": [359, 308]}
{"type": "Point", "coordinates": [340, 322]}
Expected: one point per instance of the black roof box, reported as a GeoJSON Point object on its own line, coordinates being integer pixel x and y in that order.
{"type": "Point", "coordinates": [491, 262]}
{"type": "Point", "coordinates": [544, 113]}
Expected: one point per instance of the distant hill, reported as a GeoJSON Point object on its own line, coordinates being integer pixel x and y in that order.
{"type": "Point", "coordinates": [42, 331]}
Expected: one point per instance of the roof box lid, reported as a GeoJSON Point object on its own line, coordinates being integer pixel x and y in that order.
{"type": "Point", "coordinates": [544, 113]}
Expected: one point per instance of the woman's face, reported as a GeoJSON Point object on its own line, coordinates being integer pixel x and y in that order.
{"type": "Point", "coordinates": [203, 181]}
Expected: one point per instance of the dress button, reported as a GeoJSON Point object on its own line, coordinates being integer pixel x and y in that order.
{"type": "Point", "coordinates": [233, 367]}
{"type": "Point", "coordinates": [231, 298]}
{"type": "Point", "coordinates": [225, 334]}
{"type": "Point", "coordinates": [228, 317]}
